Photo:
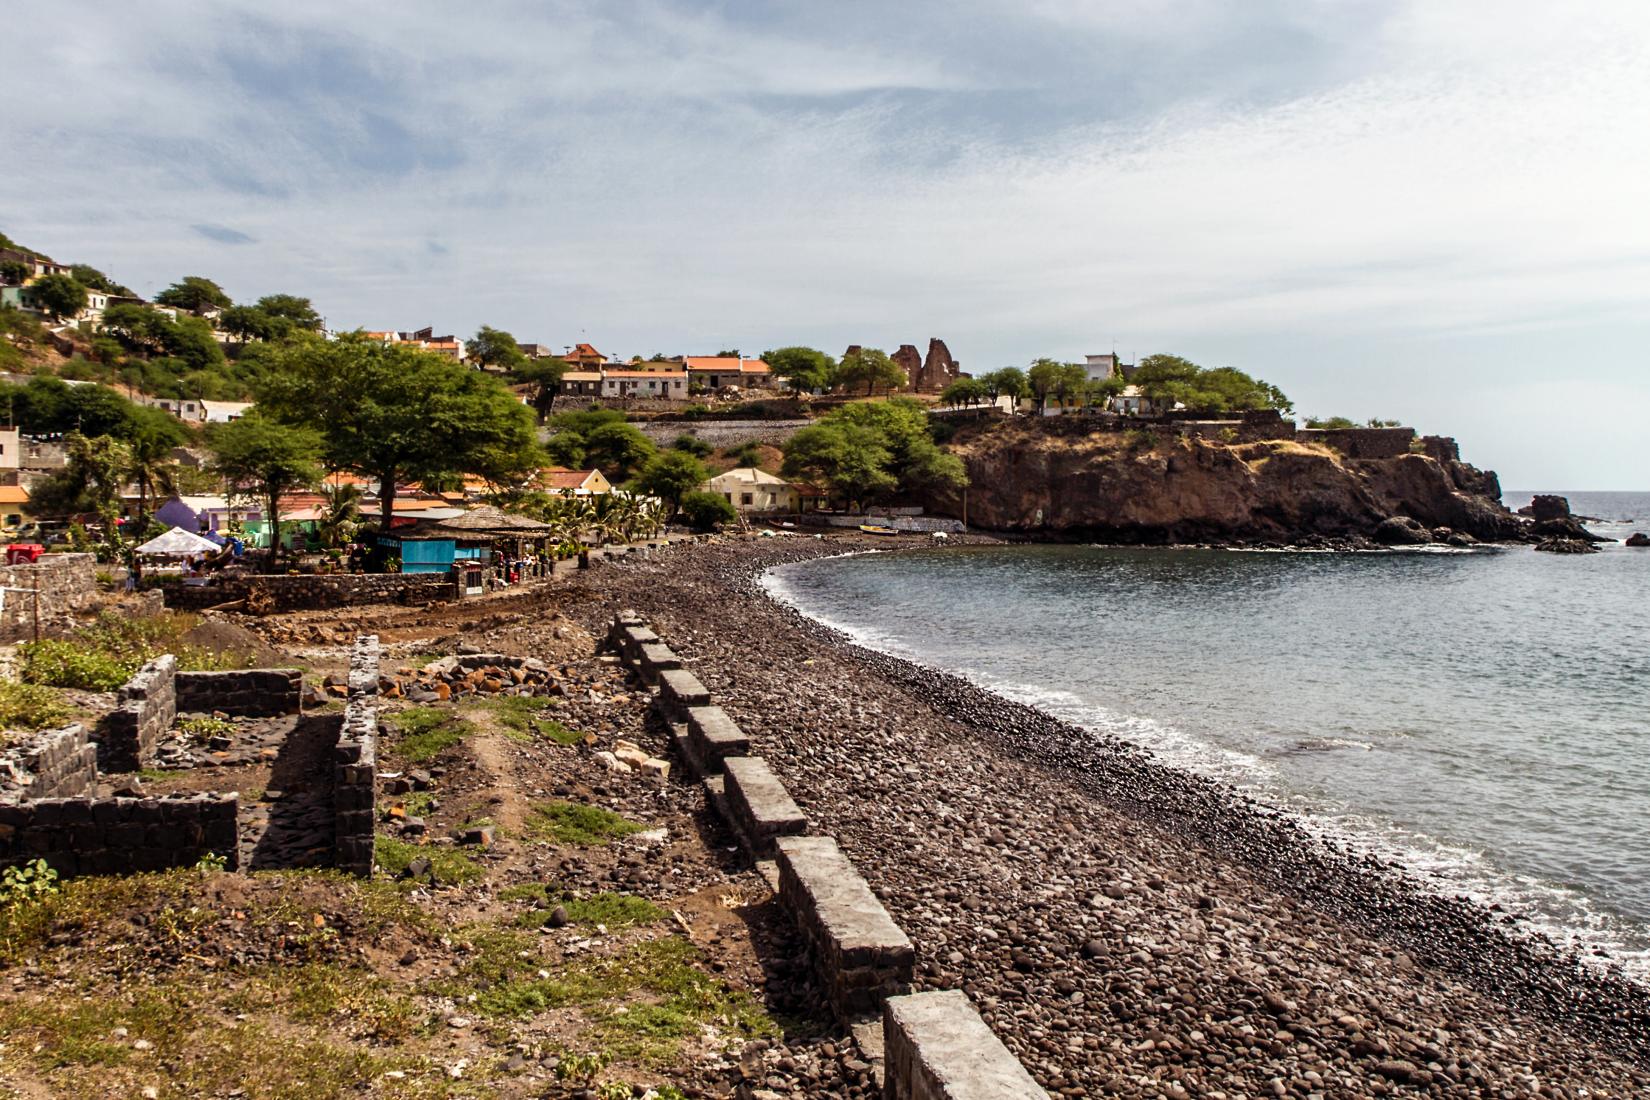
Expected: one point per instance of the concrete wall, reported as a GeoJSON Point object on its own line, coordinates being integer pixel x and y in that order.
{"type": "Point", "coordinates": [83, 836]}
{"type": "Point", "coordinates": [250, 692]}
{"type": "Point", "coordinates": [57, 763]}
{"type": "Point", "coordinates": [66, 582]}
{"type": "Point", "coordinates": [271, 594]}
{"type": "Point", "coordinates": [144, 711]}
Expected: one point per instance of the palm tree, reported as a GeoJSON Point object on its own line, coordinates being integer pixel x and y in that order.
{"type": "Point", "coordinates": [343, 514]}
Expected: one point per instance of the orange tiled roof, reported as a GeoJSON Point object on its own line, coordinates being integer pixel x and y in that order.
{"type": "Point", "coordinates": [560, 477]}
{"type": "Point", "coordinates": [642, 374]}
{"type": "Point", "coordinates": [724, 364]}
{"type": "Point", "coordinates": [13, 494]}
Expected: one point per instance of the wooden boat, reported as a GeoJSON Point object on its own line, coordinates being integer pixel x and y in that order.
{"type": "Point", "coordinates": [877, 529]}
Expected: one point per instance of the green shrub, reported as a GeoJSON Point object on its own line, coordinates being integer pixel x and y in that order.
{"type": "Point", "coordinates": [448, 866]}
{"type": "Point", "coordinates": [65, 664]}
{"type": "Point", "coordinates": [31, 881]}
{"type": "Point", "coordinates": [31, 707]}
{"type": "Point", "coordinates": [708, 511]}
{"type": "Point", "coordinates": [104, 655]}
{"type": "Point", "coordinates": [427, 732]}
{"type": "Point", "coordinates": [692, 444]}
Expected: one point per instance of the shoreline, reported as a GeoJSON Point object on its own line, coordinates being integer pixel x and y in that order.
{"type": "Point", "coordinates": [1230, 844]}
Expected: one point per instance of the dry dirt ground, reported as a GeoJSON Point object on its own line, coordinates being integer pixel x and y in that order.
{"type": "Point", "coordinates": [605, 940]}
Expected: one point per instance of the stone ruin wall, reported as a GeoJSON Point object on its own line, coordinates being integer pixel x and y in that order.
{"type": "Point", "coordinates": [270, 594]}
{"type": "Point", "coordinates": [66, 583]}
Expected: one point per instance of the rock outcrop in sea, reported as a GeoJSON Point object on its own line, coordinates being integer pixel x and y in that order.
{"type": "Point", "coordinates": [1058, 480]}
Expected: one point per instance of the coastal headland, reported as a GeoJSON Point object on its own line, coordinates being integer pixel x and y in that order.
{"type": "Point", "coordinates": [1127, 929]}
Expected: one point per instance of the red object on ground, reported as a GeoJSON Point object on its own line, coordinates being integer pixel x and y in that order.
{"type": "Point", "coordinates": [24, 553]}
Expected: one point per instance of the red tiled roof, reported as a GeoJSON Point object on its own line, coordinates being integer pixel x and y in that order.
{"type": "Point", "coordinates": [557, 477]}
{"type": "Point", "coordinates": [725, 364]}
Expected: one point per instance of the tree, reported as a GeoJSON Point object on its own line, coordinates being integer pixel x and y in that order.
{"type": "Point", "coordinates": [93, 279]}
{"type": "Point", "coordinates": [850, 460]}
{"type": "Point", "coordinates": [13, 272]}
{"type": "Point", "coordinates": [250, 323]}
{"type": "Point", "coordinates": [494, 349]}
{"type": "Point", "coordinates": [59, 296]}
{"type": "Point", "coordinates": [1071, 384]}
{"type": "Point", "coordinates": [297, 312]}
{"type": "Point", "coordinates": [1007, 382]}
{"type": "Point", "coordinates": [670, 475]}
{"type": "Point", "coordinates": [544, 374]}
{"type": "Point", "coordinates": [399, 414]}
{"type": "Point", "coordinates": [708, 511]}
{"type": "Point", "coordinates": [964, 391]}
{"type": "Point", "coordinates": [194, 293]}
{"type": "Point", "coordinates": [616, 449]}
{"type": "Point", "coordinates": [1044, 379]}
{"type": "Point", "coordinates": [1170, 378]}
{"type": "Point", "coordinates": [150, 440]}
{"type": "Point", "coordinates": [90, 480]}
{"type": "Point", "coordinates": [261, 459]}
{"type": "Point", "coordinates": [805, 369]}
{"type": "Point", "coordinates": [1100, 391]}
{"type": "Point", "coordinates": [869, 367]}
{"type": "Point", "coordinates": [342, 518]}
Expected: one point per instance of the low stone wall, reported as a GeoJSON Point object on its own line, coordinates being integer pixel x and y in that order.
{"type": "Point", "coordinates": [355, 764]}
{"type": "Point", "coordinates": [65, 583]}
{"type": "Point", "coordinates": [937, 1048]}
{"type": "Point", "coordinates": [940, 1047]}
{"type": "Point", "coordinates": [251, 692]}
{"type": "Point", "coordinates": [143, 712]}
{"type": "Point", "coordinates": [83, 836]}
{"type": "Point", "coordinates": [265, 595]}
{"type": "Point", "coordinates": [57, 763]}
{"type": "Point", "coordinates": [724, 433]}
{"type": "Point", "coordinates": [860, 954]}
{"type": "Point", "coordinates": [758, 805]}
{"type": "Point", "coordinates": [712, 737]}
{"type": "Point", "coordinates": [1361, 442]}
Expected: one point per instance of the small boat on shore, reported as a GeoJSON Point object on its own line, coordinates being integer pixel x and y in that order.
{"type": "Point", "coordinates": [877, 529]}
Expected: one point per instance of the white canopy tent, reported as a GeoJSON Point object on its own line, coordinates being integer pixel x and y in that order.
{"type": "Point", "coordinates": [179, 543]}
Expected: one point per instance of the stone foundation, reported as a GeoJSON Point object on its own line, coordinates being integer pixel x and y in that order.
{"type": "Point", "coordinates": [144, 711]}
{"type": "Point", "coordinates": [758, 805]}
{"type": "Point", "coordinates": [58, 763]}
{"type": "Point", "coordinates": [355, 771]}
{"type": "Point", "coordinates": [252, 693]}
{"type": "Point", "coordinates": [83, 836]}
{"type": "Point", "coordinates": [265, 595]}
{"type": "Point", "coordinates": [66, 583]}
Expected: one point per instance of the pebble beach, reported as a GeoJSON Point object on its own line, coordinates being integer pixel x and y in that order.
{"type": "Point", "coordinates": [1126, 928]}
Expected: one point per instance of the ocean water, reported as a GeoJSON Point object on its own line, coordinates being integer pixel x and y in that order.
{"type": "Point", "coordinates": [1482, 717]}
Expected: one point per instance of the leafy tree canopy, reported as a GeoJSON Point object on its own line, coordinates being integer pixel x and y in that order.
{"type": "Point", "coordinates": [966, 391]}
{"type": "Point", "coordinates": [495, 349]}
{"type": "Point", "coordinates": [868, 449]}
{"type": "Point", "coordinates": [545, 376]}
{"type": "Point", "coordinates": [671, 475]}
{"type": "Point", "coordinates": [58, 295]}
{"type": "Point", "coordinates": [289, 307]}
{"type": "Point", "coordinates": [193, 292]}
{"type": "Point", "coordinates": [399, 414]}
{"type": "Point", "coordinates": [264, 460]}
{"type": "Point", "coordinates": [1221, 389]}
{"type": "Point", "coordinates": [869, 367]}
{"type": "Point", "coordinates": [93, 279]}
{"type": "Point", "coordinates": [1007, 382]}
{"type": "Point", "coordinates": [803, 368]}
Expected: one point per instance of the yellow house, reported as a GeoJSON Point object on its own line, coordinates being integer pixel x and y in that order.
{"type": "Point", "coordinates": [14, 506]}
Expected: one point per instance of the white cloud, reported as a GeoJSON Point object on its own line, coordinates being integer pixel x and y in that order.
{"type": "Point", "coordinates": [664, 178]}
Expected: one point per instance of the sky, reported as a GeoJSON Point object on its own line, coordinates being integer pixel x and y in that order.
{"type": "Point", "coordinates": [1430, 210]}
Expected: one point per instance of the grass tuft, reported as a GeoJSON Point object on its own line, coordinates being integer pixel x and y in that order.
{"type": "Point", "coordinates": [575, 823]}
{"type": "Point", "coordinates": [427, 732]}
{"type": "Point", "coordinates": [524, 719]}
{"type": "Point", "coordinates": [449, 866]}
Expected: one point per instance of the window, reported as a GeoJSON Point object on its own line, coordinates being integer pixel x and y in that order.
{"type": "Point", "coordinates": [744, 498]}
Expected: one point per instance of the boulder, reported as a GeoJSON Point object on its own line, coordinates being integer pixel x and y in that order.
{"type": "Point", "coordinates": [1566, 546]}
{"type": "Point", "coordinates": [1545, 507]}
{"type": "Point", "coordinates": [1638, 538]}
{"type": "Point", "coordinates": [1566, 528]}
{"type": "Point", "coordinates": [1402, 531]}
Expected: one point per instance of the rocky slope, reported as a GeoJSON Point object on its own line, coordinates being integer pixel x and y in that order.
{"type": "Point", "coordinates": [1129, 487]}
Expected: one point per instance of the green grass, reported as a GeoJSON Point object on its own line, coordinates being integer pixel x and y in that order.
{"type": "Point", "coordinates": [578, 824]}
{"type": "Point", "coordinates": [450, 866]}
{"type": "Point", "coordinates": [612, 911]}
{"type": "Point", "coordinates": [31, 707]}
{"type": "Point", "coordinates": [160, 775]}
{"type": "Point", "coordinates": [418, 803]}
{"type": "Point", "coordinates": [524, 719]}
{"type": "Point", "coordinates": [427, 732]}
{"type": "Point", "coordinates": [104, 655]}
{"type": "Point", "coordinates": [643, 1003]}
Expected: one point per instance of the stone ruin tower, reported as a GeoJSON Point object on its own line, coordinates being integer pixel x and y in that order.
{"type": "Point", "coordinates": [938, 371]}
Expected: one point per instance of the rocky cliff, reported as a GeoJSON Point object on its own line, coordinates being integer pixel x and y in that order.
{"type": "Point", "coordinates": [1050, 480]}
